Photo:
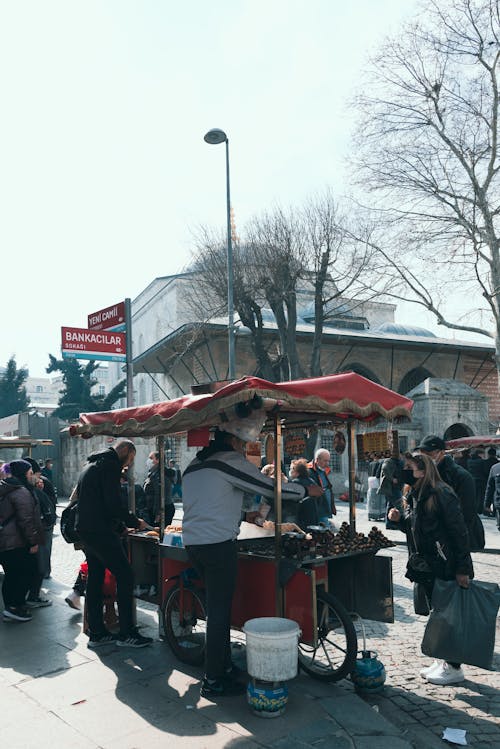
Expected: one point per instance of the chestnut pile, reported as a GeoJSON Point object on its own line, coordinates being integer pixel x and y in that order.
{"type": "Point", "coordinates": [321, 542]}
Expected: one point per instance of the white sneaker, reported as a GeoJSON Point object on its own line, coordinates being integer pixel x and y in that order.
{"type": "Point", "coordinates": [73, 601]}
{"type": "Point", "coordinates": [425, 672]}
{"type": "Point", "coordinates": [446, 674]}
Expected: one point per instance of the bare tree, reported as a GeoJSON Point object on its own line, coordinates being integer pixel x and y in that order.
{"type": "Point", "coordinates": [340, 270]}
{"type": "Point", "coordinates": [277, 253]}
{"type": "Point", "coordinates": [428, 149]}
{"type": "Point", "coordinates": [284, 254]}
{"type": "Point", "coordinates": [207, 294]}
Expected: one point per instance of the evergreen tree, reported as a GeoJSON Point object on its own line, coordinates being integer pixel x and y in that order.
{"type": "Point", "coordinates": [13, 397]}
{"type": "Point", "coordinates": [78, 380]}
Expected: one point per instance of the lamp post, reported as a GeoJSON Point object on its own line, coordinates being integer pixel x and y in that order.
{"type": "Point", "coordinates": [214, 137]}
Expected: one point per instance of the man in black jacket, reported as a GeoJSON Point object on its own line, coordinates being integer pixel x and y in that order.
{"type": "Point", "coordinates": [492, 495]}
{"type": "Point", "coordinates": [101, 519]}
{"type": "Point", "coordinates": [152, 490]}
{"type": "Point", "coordinates": [460, 481]}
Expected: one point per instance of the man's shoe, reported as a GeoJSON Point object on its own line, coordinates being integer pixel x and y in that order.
{"type": "Point", "coordinates": [425, 672]}
{"type": "Point", "coordinates": [446, 674]}
{"type": "Point", "coordinates": [133, 640]}
{"type": "Point", "coordinates": [97, 641]}
{"type": "Point", "coordinates": [16, 614]}
{"type": "Point", "coordinates": [212, 689]}
{"type": "Point", "coordinates": [73, 601]}
{"type": "Point", "coordinates": [38, 603]}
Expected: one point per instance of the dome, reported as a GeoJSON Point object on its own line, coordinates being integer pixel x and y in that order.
{"type": "Point", "coordinates": [392, 328]}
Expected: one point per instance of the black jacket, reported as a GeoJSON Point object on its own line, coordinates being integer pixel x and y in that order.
{"type": "Point", "coordinates": [462, 484]}
{"type": "Point", "coordinates": [444, 523]}
{"type": "Point", "coordinates": [100, 509]}
{"type": "Point", "coordinates": [492, 494]}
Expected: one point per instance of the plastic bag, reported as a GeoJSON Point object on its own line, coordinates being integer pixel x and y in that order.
{"type": "Point", "coordinates": [461, 626]}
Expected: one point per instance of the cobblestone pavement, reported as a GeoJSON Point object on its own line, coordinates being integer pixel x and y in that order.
{"type": "Point", "coordinates": [409, 701]}
{"type": "Point", "coordinates": [420, 709]}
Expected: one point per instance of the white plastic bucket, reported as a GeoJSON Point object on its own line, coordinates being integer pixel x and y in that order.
{"type": "Point", "coordinates": [272, 648]}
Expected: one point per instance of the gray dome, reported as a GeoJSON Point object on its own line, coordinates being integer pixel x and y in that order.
{"type": "Point", "coordinates": [392, 328]}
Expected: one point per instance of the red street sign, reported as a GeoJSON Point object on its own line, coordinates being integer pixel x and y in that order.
{"type": "Point", "coordinates": [80, 343]}
{"type": "Point", "coordinates": [109, 318]}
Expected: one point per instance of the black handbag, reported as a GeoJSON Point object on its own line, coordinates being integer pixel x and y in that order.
{"type": "Point", "coordinates": [476, 534]}
{"type": "Point", "coordinates": [421, 602]}
{"type": "Point", "coordinates": [418, 569]}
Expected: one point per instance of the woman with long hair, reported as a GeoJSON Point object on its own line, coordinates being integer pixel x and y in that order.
{"type": "Point", "coordinates": [435, 528]}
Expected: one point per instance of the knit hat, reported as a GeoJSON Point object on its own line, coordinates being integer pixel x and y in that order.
{"type": "Point", "coordinates": [19, 468]}
{"type": "Point", "coordinates": [33, 463]}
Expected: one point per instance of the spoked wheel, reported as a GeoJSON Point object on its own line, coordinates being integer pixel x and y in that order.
{"type": "Point", "coordinates": [184, 622]}
{"type": "Point", "coordinates": [335, 654]}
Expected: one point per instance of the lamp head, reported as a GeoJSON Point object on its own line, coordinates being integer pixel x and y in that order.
{"type": "Point", "coordinates": [215, 136]}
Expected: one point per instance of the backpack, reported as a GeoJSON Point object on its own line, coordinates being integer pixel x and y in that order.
{"type": "Point", "coordinates": [68, 520]}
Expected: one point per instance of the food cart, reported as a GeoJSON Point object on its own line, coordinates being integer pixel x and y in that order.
{"type": "Point", "coordinates": [318, 582]}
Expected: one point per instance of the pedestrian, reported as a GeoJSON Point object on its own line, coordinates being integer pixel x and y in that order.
{"type": "Point", "coordinates": [140, 497]}
{"type": "Point", "coordinates": [460, 481]}
{"type": "Point", "coordinates": [152, 490]}
{"type": "Point", "coordinates": [488, 464]}
{"type": "Point", "coordinates": [307, 509]}
{"type": "Point", "coordinates": [177, 481]}
{"type": "Point", "coordinates": [435, 528]}
{"type": "Point", "coordinates": [391, 483]}
{"type": "Point", "coordinates": [214, 485]}
{"type": "Point", "coordinates": [475, 466]}
{"type": "Point", "coordinates": [101, 522]}
{"type": "Point", "coordinates": [319, 471]}
{"type": "Point", "coordinates": [47, 470]}
{"type": "Point", "coordinates": [47, 505]}
{"type": "Point", "coordinates": [492, 494]}
{"type": "Point", "coordinates": [21, 532]}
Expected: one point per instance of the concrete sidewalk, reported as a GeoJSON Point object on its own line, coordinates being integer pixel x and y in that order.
{"type": "Point", "coordinates": [55, 692]}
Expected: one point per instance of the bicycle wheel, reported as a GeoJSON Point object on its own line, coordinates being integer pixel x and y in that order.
{"type": "Point", "coordinates": [334, 656]}
{"type": "Point", "coordinates": [184, 622]}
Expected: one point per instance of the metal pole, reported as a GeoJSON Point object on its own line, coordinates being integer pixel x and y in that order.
{"type": "Point", "coordinates": [352, 475]}
{"type": "Point", "coordinates": [278, 512]}
{"type": "Point", "coordinates": [230, 295]}
{"type": "Point", "coordinates": [130, 395]}
{"type": "Point", "coordinates": [128, 360]}
{"type": "Point", "coordinates": [160, 442]}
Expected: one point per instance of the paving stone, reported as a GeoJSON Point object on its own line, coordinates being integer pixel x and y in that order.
{"type": "Point", "coordinates": [357, 718]}
{"type": "Point", "coordinates": [381, 742]}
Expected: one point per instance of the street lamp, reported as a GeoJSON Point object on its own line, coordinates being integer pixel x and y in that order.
{"type": "Point", "coordinates": [214, 137]}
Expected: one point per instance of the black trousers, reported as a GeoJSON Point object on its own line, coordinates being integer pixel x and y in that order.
{"type": "Point", "coordinates": [105, 550]}
{"type": "Point", "coordinates": [20, 568]}
{"type": "Point", "coordinates": [217, 565]}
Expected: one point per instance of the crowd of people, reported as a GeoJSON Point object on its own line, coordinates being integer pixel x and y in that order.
{"type": "Point", "coordinates": [427, 494]}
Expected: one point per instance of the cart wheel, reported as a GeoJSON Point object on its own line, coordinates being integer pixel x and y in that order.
{"type": "Point", "coordinates": [335, 654]}
{"type": "Point", "coordinates": [185, 629]}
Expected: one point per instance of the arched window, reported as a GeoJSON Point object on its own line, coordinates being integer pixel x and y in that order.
{"type": "Point", "coordinates": [361, 370]}
{"type": "Point", "coordinates": [455, 431]}
{"type": "Point", "coordinates": [413, 378]}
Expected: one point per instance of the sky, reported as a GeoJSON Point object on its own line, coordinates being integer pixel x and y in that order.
{"type": "Point", "coordinates": [104, 171]}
